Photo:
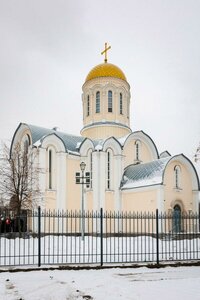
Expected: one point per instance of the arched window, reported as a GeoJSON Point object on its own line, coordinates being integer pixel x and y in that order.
{"type": "Point", "coordinates": [177, 218]}
{"type": "Point", "coordinates": [91, 169]}
{"type": "Point", "coordinates": [50, 165]}
{"type": "Point", "coordinates": [137, 151]}
{"type": "Point", "coordinates": [88, 105]}
{"type": "Point", "coordinates": [25, 143]}
{"type": "Point", "coordinates": [109, 170]}
{"type": "Point", "coordinates": [98, 102]}
{"type": "Point", "coordinates": [177, 177]}
{"type": "Point", "coordinates": [120, 104]}
{"type": "Point", "coordinates": [127, 109]}
{"type": "Point", "coordinates": [110, 109]}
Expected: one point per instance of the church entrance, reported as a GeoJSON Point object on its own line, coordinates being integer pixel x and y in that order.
{"type": "Point", "coordinates": [177, 218]}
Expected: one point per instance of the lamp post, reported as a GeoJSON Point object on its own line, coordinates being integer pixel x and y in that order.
{"type": "Point", "coordinates": [83, 179]}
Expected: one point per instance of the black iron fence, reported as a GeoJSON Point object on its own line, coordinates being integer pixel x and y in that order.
{"type": "Point", "coordinates": [58, 237]}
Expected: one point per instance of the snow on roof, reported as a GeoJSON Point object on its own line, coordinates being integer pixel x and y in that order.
{"type": "Point", "coordinates": [144, 174]}
{"type": "Point", "coordinates": [70, 141]}
{"type": "Point", "coordinates": [123, 139]}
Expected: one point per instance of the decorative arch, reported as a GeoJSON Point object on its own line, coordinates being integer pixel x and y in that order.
{"type": "Point", "coordinates": [85, 146]}
{"type": "Point", "coordinates": [178, 202]}
{"type": "Point", "coordinates": [21, 132]}
{"type": "Point", "coordinates": [189, 166]}
{"type": "Point", "coordinates": [55, 141]}
{"type": "Point", "coordinates": [113, 144]}
{"type": "Point", "coordinates": [143, 138]}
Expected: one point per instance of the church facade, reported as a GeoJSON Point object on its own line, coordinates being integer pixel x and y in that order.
{"type": "Point", "coordinates": [126, 171]}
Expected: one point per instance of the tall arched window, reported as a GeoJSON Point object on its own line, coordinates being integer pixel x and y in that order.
{"type": "Point", "coordinates": [50, 165]}
{"type": "Point", "coordinates": [88, 105]}
{"type": "Point", "coordinates": [110, 109]}
{"type": "Point", "coordinates": [120, 104]}
{"type": "Point", "coordinates": [127, 108]}
{"type": "Point", "coordinates": [98, 102]}
{"type": "Point", "coordinates": [177, 177]}
{"type": "Point", "coordinates": [137, 151]}
{"type": "Point", "coordinates": [109, 166]}
{"type": "Point", "coordinates": [25, 143]}
{"type": "Point", "coordinates": [91, 169]}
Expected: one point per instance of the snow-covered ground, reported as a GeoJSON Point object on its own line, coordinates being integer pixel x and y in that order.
{"type": "Point", "coordinates": [172, 283]}
{"type": "Point", "coordinates": [72, 250]}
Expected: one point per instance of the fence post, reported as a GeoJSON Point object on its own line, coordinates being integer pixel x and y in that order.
{"type": "Point", "coordinates": [39, 236]}
{"type": "Point", "coordinates": [157, 238]}
{"type": "Point", "coordinates": [101, 235]}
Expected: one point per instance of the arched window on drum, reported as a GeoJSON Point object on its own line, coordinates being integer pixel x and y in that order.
{"type": "Point", "coordinates": [120, 104]}
{"type": "Point", "coordinates": [97, 102]}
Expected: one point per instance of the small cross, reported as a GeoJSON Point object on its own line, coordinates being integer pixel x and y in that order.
{"type": "Point", "coordinates": [105, 51]}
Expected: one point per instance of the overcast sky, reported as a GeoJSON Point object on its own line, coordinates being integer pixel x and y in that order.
{"type": "Point", "coordinates": [48, 47]}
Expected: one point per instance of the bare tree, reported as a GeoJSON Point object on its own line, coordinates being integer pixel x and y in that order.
{"type": "Point", "coordinates": [19, 177]}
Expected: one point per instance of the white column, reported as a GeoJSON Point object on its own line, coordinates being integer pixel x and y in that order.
{"type": "Point", "coordinates": [61, 181]}
{"type": "Point", "coordinates": [96, 183]}
{"type": "Point", "coordinates": [102, 181]}
{"type": "Point", "coordinates": [117, 175]}
{"type": "Point", "coordinates": [42, 175]}
{"type": "Point", "coordinates": [160, 199]}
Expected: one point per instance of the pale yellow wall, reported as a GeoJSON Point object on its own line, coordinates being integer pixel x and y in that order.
{"type": "Point", "coordinates": [141, 201]}
{"type": "Point", "coordinates": [50, 200]}
{"type": "Point", "coordinates": [109, 201]}
{"type": "Point", "coordinates": [89, 205]}
{"type": "Point", "coordinates": [73, 189]}
{"type": "Point", "coordinates": [173, 196]}
{"type": "Point", "coordinates": [129, 153]}
{"type": "Point", "coordinates": [99, 132]}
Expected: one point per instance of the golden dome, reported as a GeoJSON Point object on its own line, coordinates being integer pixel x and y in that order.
{"type": "Point", "coordinates": [105, 70]}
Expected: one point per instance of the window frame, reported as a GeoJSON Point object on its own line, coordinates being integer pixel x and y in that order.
{"type": "Point", "coordinates": [177, 177]}
{"type": "Point", "coordinates": [98, 103]}
{"type": "Point", "coordinates": [88, 106]}
{"type": "Point", "coordinates": [120, 104]}
{"type": "Point", "coordinates": [50, 164]}
{"type": "Point", "coordinates": [137, 153]}
{"type": "Point", "coordinates": [110, 101]}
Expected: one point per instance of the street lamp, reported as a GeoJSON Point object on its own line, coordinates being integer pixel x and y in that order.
{"type": "Point", "coordinates": [83, 179]}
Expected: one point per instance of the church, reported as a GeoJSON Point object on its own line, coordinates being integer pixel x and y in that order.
{"type": "Point", "coordinates": [123, 169]}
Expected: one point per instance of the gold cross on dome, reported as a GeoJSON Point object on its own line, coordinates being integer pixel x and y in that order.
{"type": "Point", "coordinates": [105, 51]}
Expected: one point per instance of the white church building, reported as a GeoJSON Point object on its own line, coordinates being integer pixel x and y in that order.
{"type": "Point", "coordinates": [127, 173]}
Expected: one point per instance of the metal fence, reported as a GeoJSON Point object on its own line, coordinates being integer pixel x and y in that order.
{"type": "Point", "coordinates": [58, 237]}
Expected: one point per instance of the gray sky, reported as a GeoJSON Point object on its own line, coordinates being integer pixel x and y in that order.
{"type": "Point", "coordinates": [48, 47]}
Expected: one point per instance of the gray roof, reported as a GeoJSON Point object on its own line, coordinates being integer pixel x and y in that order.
{"type": "Point", "coordinates": [144, 174]}
{"type": "Point", "coordinates": [71, 142]}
